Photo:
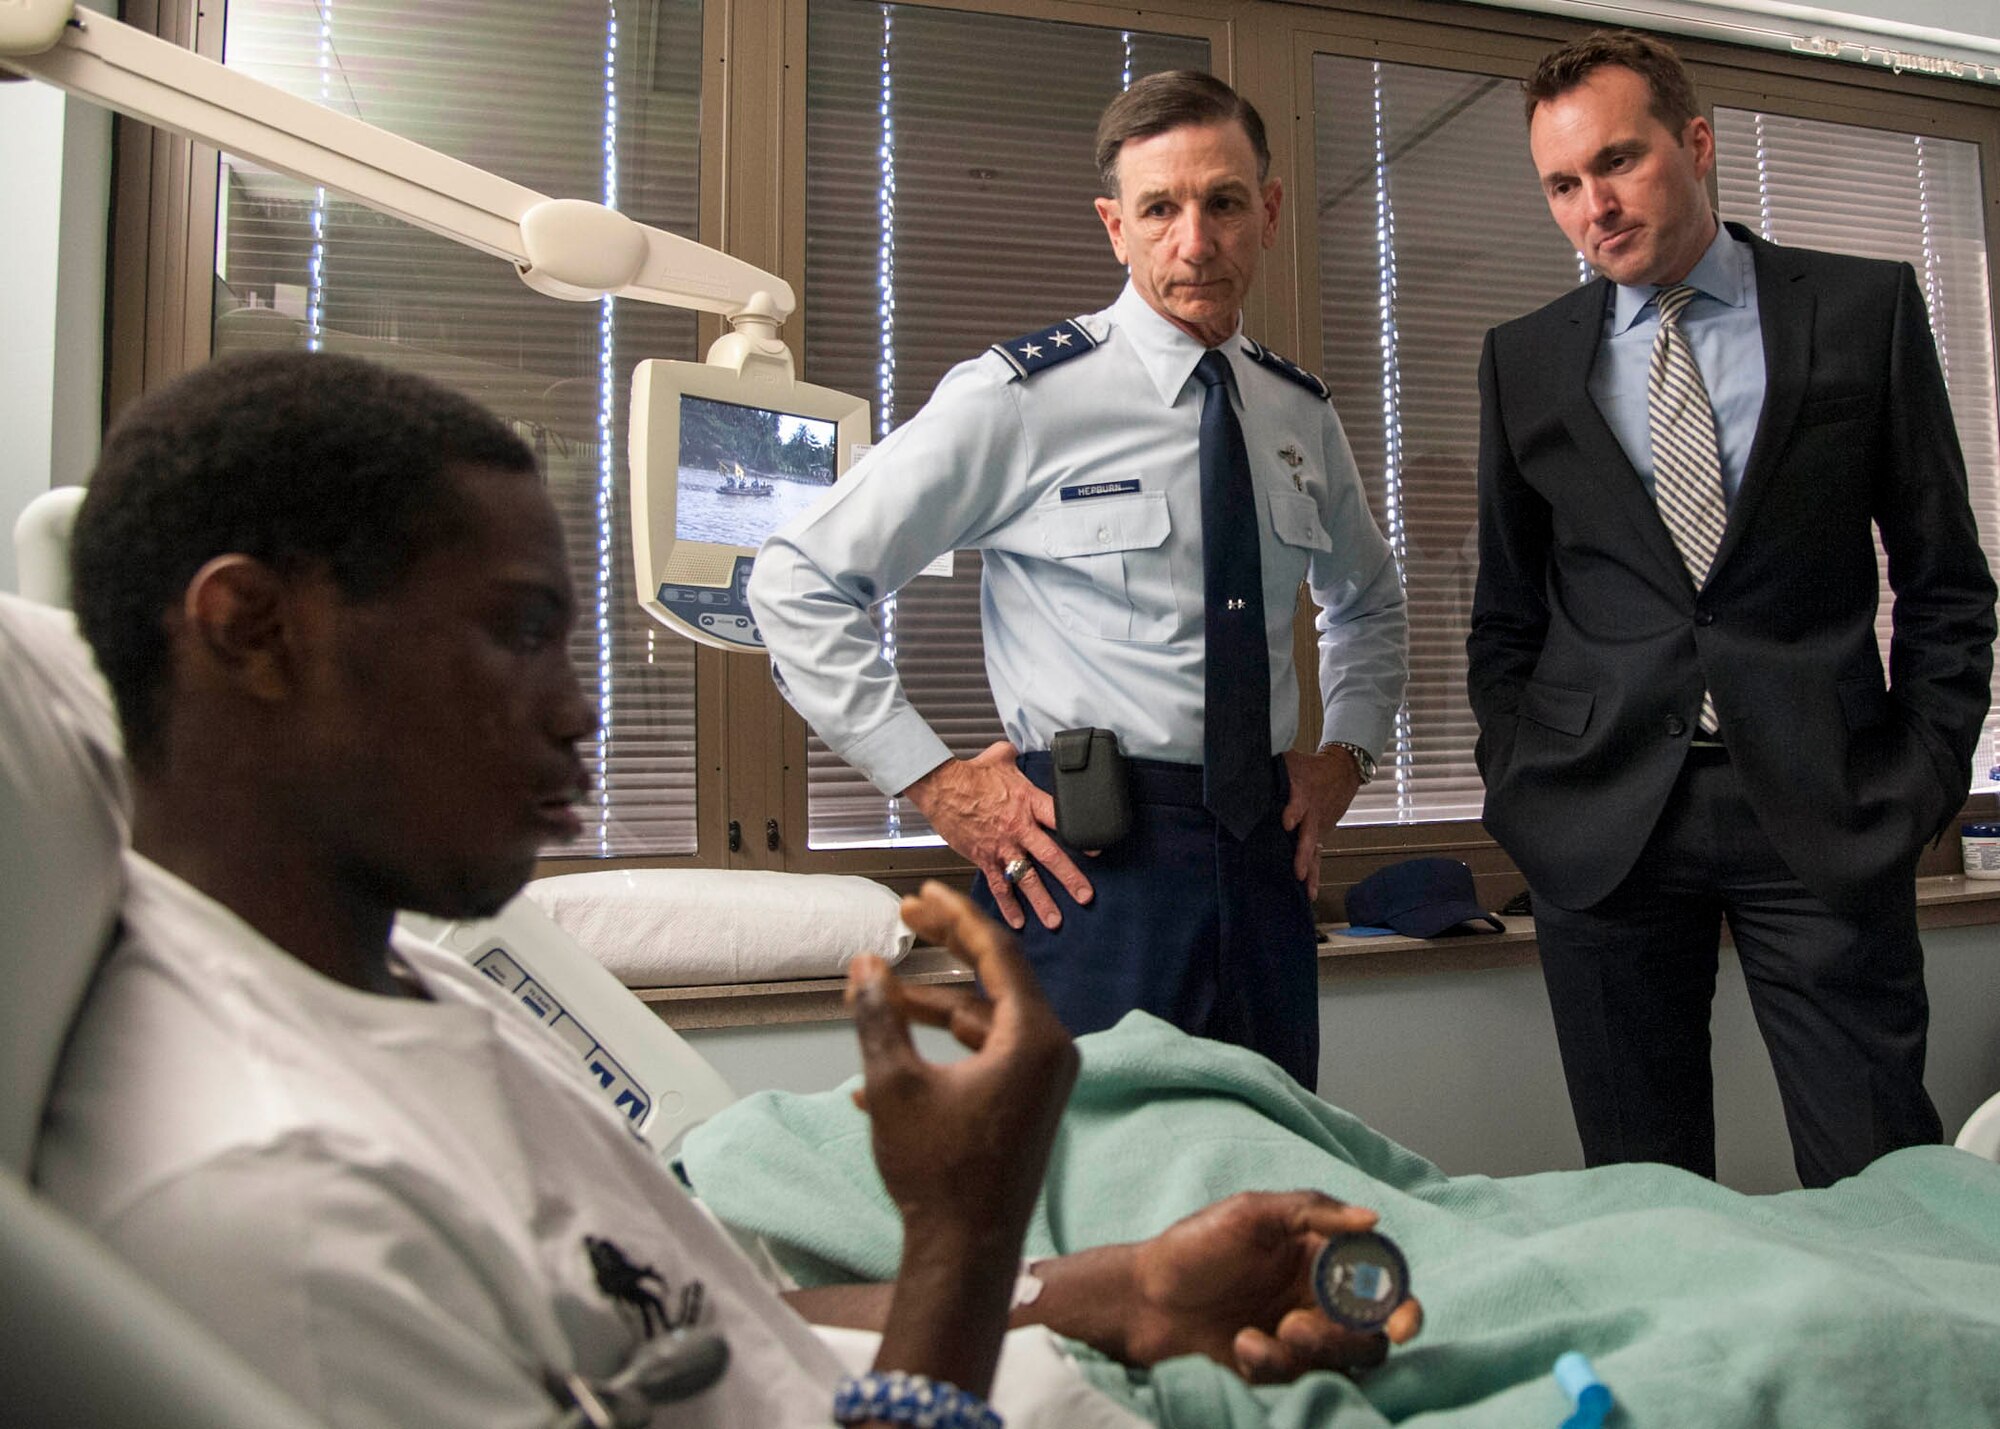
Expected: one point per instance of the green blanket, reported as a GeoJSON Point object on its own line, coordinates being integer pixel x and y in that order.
{"type": "Point", "coordinates": [1875, 1303]}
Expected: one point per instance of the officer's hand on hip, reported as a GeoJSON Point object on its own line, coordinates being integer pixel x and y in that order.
{"type": "Point", "coordinates": [988, 810]}
{"type": "Point", "coordinates": [1323, 785]}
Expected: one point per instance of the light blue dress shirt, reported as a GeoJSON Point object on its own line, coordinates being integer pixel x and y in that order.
{"type": "Point", "coordinates": [1722, 326]}
{"type": "Point", "coordinates": [1081, 486]}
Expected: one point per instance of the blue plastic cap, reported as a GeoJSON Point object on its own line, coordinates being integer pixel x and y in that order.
{"type": "Point", "coordinates": [1585, 1390]}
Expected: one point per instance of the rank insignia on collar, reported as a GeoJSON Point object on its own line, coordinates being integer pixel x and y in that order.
{"type": "Point", "coordinates": [1294, 458]}
{"type": "Point", "coordinates": [1285, 368]}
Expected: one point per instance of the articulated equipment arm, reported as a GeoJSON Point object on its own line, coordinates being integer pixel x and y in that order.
{"type": "Point", "coordinates": [566, 248]}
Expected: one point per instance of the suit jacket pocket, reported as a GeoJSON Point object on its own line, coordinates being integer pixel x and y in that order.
{"type": "Point", "coordinates": [1565, 711]}
{"type": "Point", "coordinates": [1863, 702]}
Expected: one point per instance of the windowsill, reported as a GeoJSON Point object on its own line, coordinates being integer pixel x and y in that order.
{"type": "Point", "coordinates": [1943, 902]}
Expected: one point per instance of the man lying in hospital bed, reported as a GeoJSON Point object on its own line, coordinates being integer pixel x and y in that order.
{"type": "Point", "coordinates": [332, 605]}
{"type": "Point", "coordinates": [1877, 1302]}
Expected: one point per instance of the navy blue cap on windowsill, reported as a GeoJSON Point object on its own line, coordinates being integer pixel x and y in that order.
{"type": "Point", "coordinates": [1419, 898]}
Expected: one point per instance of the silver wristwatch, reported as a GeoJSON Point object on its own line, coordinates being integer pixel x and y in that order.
{"type": "Point", "coordinates": [1364, 762]}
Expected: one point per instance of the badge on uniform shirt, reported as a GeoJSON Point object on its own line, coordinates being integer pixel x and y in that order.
{"type": "Point", "coordinates": [1294, 458]}
{"type": "Point", "coordinates": [1089, 489]}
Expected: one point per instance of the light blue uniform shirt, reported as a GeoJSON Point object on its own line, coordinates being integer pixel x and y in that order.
{"type": "Point", "coordinates": [1721, 324]}
{"type": "Point", "coordinates": [1092, 605]}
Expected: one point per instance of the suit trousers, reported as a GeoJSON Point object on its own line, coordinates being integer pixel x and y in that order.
{"type": "Point", "coordinates": [1204, 930]}
{"type": "Point", "coordinates": [1839, 999]}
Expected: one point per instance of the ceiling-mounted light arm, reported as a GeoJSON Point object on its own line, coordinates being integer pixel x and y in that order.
{"type": "Point", "coordinates": [565, 248]}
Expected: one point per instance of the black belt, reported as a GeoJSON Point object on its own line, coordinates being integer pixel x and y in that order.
{"type": "Point", "coordinates": [1154, 781]}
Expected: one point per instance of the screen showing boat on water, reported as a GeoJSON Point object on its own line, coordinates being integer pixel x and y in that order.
{"type": "Point", "coordinates": [745, 471]}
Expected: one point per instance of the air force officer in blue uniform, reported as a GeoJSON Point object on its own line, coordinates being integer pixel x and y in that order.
{"type": "Point", "coordinates": [1071, 459]}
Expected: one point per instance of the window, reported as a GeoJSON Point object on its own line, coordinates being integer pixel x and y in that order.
{"type": "Point", "coordinates": [923, 177]}
{"type": "Point", "coordinates": [1431, 229]}
{"type": "Point", "coordinates": [1908, 197]}
{"type": "Point", "coordinates": [1404, 154]}
{"type": "Point", "coordinates": [934, 231]}
{"type": "Point", "coordinates": [578, 100]}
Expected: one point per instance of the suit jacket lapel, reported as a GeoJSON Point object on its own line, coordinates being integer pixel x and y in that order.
{"type": "Point", "coordinates": [1785, 303]}
{"type": "Point", "coordinates": [1574, 342]}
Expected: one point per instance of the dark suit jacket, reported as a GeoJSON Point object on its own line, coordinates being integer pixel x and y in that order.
{"type": "Point", "coordinates": [1590, 645]}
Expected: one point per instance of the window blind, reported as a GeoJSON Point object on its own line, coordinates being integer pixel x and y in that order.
{"type": "Point", "coordinates": [1431, 229]}
{"type": "Point", "coordinates": [592, 100]}
{"type": "Point", "coordinates": [948, 204]}
{"type": "Point", "coordinates": [1882, 194]}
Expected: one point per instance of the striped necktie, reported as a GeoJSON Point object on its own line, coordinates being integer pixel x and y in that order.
{"type": "Point", "coordinates": [1237, 783]}
{"type": "Point", "coordinates": [1687, 467]}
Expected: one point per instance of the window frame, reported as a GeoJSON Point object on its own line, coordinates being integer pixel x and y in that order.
{"type": "Point", "coordinates": [750, 744]}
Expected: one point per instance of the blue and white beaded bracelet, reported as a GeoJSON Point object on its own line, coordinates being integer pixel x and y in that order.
{"type": "Point", "coordinates": [898, 1398]}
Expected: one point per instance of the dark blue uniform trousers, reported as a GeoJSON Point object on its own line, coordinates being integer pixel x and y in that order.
{"type": "Point", "coordinates": [1204, 930]}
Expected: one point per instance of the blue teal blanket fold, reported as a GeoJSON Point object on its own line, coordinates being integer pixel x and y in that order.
{"type": "Point", "coordinates": [1873, 1303]}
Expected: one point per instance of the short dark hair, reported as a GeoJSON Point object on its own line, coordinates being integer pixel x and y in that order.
{"type": "Point", "coordinates": [1168, 100]}
{"type": "Point", "coordinates": [1654, 61]}
{"type": "Point", "coordinates": [299, 459]}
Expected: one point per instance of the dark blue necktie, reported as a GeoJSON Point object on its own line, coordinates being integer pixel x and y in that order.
{"type": "Point", "coordinates": [1236, 745]}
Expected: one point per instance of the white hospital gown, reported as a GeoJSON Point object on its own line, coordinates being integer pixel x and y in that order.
{"type": "Point", "coordinates": [381, 1203]}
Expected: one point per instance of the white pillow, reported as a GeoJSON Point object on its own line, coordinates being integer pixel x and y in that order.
{"type": "Point", "coordinates": [657, 927]}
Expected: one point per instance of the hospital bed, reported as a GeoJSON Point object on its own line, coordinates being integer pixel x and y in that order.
{"type": "Point", "coordinates": [84, 1340]}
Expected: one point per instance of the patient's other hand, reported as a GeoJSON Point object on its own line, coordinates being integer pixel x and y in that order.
{"type": "Point", "coordinates": [962, 1146]}
{"type": "Point", "coordinates": [1234, 1282]}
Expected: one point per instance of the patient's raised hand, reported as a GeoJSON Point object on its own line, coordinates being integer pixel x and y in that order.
{"type": "Point", "coordinates": [961, 1146]}
{"type": "Point", "coordinates": [964, 1142]}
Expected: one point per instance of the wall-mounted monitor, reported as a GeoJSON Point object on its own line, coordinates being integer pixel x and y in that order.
{"type": "Point", "coordinates": [720, 459]}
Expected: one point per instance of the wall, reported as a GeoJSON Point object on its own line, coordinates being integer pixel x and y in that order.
{"type": "Point", "coordinates": [1462, 1066]}
{"type": "Point", "coordinates": [30, 169]}
{"type": "Point", "coordinates": [1971, 17]}
{"type": "Point", "coordinates": [55, 168]}
{"type": "Point", "coordinates": [1962, 31]}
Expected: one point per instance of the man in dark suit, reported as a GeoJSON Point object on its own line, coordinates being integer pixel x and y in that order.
{"type": "Point", "coordinates": [1683, 711]}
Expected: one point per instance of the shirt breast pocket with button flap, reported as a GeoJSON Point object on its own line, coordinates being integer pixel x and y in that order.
{"type": "Point", "coordinates": [1110, 567]}
{"type": "Point", "coordinates": [1295, 521]}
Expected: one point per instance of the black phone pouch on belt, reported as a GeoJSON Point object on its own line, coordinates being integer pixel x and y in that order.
{"type": "Point", "coordinates": [1093, 792]}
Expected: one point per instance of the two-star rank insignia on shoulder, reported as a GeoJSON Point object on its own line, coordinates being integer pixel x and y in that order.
{"type": "Point", "coordinates": [1039, 350]}
{"type": "Point", "coordinates": [1286, 368]}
